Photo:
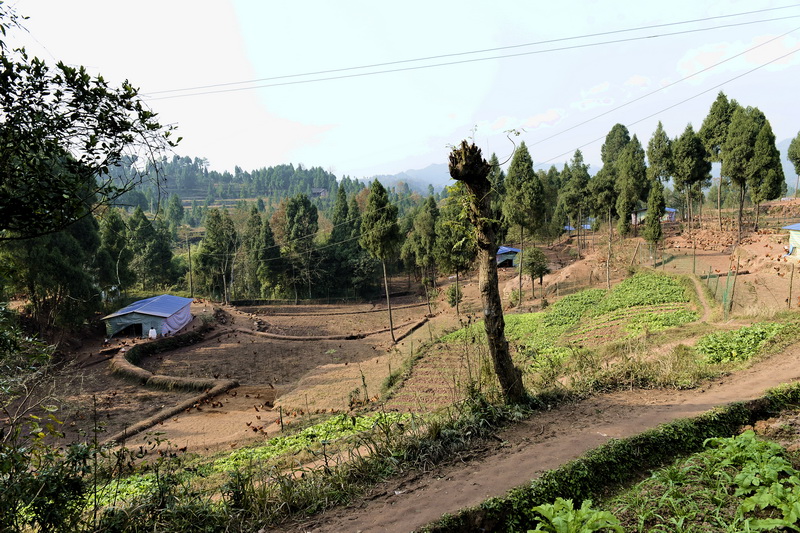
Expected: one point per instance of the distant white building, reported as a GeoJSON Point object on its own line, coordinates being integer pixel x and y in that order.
{"type": "Point", "coordinates": [638, 216]}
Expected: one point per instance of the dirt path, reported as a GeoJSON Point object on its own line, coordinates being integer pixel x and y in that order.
{"type": "Point", "coordinates": [545, 441]}
{"type": "Point", "coordinates": [701, 295]}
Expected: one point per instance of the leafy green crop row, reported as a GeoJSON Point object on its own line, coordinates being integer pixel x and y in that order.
{"type": "Point", "coordinates": [738, 345]}
{"type": "Point", "coordinates": [334, 428]}
{"type": "Point", "coordinates": [648, 300]}
{"type": "Point", "coordinates": [644, 288]}
{"type": "Point", "coordinates": [658, 321]}
{"type": "Point", "coordinates": [740, 483]}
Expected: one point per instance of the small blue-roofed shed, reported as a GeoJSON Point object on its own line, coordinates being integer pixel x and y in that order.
{"type": "Point", "coordinates": [794, 238]}
{"type": "Point", "coordinates": [507, 256]}
{"type": "Point", "coordinates": [166, 313]}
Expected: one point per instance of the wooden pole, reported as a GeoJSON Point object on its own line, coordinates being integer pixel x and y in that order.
{"type": "Point", "coordinates": [635, 252]}
{"type": "Point", "coordinates": [733, 287]}
{"type": "Point", "coordinates": [191, 279]}
{"type": "Point", "coordinates": [791, 281]}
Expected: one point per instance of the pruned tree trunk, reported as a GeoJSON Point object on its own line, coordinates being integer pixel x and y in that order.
{"type": "Point", "coordinates": [741, 210]}
{"type": "Point", "coordinates": [388, 300]}
{"type": "Point", "coordinates": [468, 166]}
{"type": "Point", "coordinates": [427, 293]}
{"type": "Point", "coordinates": [758, 211]}
{"type": "Point", "coordinates": [700, 211]}
{"type": "Point", "coordinates": [688, 209]}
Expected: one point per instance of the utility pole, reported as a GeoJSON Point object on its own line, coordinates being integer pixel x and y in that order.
{"type": "Point", "coordinates": [191, 280]}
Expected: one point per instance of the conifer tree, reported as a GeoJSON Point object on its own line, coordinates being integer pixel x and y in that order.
{"type": "Point", "coordinates": [655, 210]}
{"type": "Point", "coordinates": [794, 156]}
{"type": "Point", "coordinates": [380, 235]}
{"type": "Point", "coordinates": [713, 132]}
{"type": "Point", "coordinates": [524, 200]}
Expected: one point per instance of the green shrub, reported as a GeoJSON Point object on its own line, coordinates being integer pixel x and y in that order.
{"type": "Point", "coordinates": [454, 295]}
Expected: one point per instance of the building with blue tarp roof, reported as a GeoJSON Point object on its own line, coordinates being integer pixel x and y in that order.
{"type": "Point", "coordinates": [165, 313]}
{"type": "Point", "coordinates": [794, 238]}
{"type": "Point", "coordinates": [507, 256]}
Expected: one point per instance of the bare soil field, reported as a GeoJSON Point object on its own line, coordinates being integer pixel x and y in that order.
{"type": "Point", "coordinates": [268, 370]}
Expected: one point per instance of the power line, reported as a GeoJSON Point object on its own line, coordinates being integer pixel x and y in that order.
{"type": "Point", "coordinates": [677, 104]}
{"type": "Point", "coordinates": [667, 86]}
{"type": "Point", "coordinates": [447, 63]}
{"type": "Point", "coordinates": [472, 52]}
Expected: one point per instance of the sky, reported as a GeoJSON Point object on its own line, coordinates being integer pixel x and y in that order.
{"type": "Point", "coordinates": [322, 102]}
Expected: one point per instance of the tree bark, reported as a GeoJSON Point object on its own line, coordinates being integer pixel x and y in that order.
{"type": "Point", "coordinates": [468, 166]}
{"type": "Point", "coordinates": [427, 293]}
{"type": "Point", "coordinates": [388, 300]}
{"type": "Point", "coordinates": [741, 209]}
{"type": "Point", "coordinates": [758, 212]}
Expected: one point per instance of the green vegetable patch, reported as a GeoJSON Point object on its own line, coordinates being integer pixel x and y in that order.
{"type": "Point", "coordinates": [738, 345]}
{"type": "Point", "coordinates": [740, 483]}
{"type": "Point", "coordinates": [326, 433]}
{"type": "Point", "coordinates": [645, 302]}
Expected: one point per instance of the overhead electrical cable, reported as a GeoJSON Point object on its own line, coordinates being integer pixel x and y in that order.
{"type": "Point", "coordinates": [681, 102]}
{"type": "Point", "coordinates": [186, 92]}
{"type": "Point", "coordinates": [485, 50]}
{"type": "Point", "coordinates": [664, 87]}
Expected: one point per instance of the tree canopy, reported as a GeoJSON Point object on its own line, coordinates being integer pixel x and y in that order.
{"type": "Point", "coordinates": [61, 132]}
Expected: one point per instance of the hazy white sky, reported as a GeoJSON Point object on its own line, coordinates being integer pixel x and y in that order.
{"type": "Point", "coordinates": [362, 125]}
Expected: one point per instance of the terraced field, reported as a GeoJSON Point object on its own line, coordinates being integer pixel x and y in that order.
{"type": "Point", "coordinates": [543, 342]}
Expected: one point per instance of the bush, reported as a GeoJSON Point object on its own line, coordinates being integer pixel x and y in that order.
{"type": "Point", "coordinates": [454, 295]}
{"type": "Point", "coordinates": [516, 297]}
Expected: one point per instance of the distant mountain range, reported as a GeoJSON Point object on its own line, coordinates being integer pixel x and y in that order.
{"type": "Point", "coordinates": [418, 180]}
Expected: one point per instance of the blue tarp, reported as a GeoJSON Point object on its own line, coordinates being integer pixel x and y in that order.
{"type": "Point", "coordinates": [507, 250]}
{"type": "Point", "coordinates": [163, 306]}
{"type": "Point", "coordinates": [792, 227]}
{"type": "Point", "coordinates": [165, 313]}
